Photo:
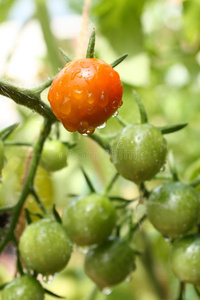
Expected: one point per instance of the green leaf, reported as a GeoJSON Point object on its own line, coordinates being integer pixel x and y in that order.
{"type": "Point", "coordinates": [120, 22]}
{"type": "Point", "coordinates": [172, 128]}
{"type": "Point", "coordinates": [5, 7]}
{"type": "Point", "coordinates": [4, 134]}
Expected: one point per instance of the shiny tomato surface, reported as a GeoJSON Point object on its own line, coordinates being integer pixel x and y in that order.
{"type": "Point", "coordinates": [85, 94]}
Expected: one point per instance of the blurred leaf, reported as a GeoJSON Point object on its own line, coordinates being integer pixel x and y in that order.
{"type": "Point", "coordinates": [5, 6]}
{"type": "Point", "coordinates": [119, 21]}
{"type": "Point", "coordinates": [191, 21]}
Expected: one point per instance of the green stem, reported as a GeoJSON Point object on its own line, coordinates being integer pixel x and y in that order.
{"type": "Point", "coordinates": [103, 140]}
{"type": "Point", "coordinates": [44, 20]}
{"type": "Point", "coordinates": [28, 186]}
{"type": "Point", "coordinates": [110, 184]}
{"type": "Point", "coordinates": [118, 60]}
{"type": "Point", "coordinates": [172, 166]}
{"type": "Point", "coordinates": [17, 144]}
{"type": "Point", "coordinates": [39, 89]}
{"type": "Point", "coordinates": [143, 113]}
{"type": "Point", "coordinates": [39, 202]}
{"type": "Point", "coordinates": [181, 295]}
{"type": "Point", "coordinates": [93, 293]}
{"type": "Point", "coordinates": [7, 208]}
{"type": "Point", "coordinates": [26, 98]}
{"type": "Point", "coordinates": [121, 121]}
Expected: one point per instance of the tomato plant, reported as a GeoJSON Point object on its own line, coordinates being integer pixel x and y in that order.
{"type": "Point", "coordinates": [89, 220]}
{"type": "Point", "coordinates": [45, 247]}
{"type": "Point", "coordinates": [85, 94]}
{"type": "Point", "coordinates": [23, 288]}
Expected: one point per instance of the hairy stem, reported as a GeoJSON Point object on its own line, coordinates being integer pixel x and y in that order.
{"type": "Point", "coordinates": [28, 186]}
{"type": "Point", "coordinates": [26, 98]}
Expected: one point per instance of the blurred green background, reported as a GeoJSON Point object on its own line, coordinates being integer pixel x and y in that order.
{"type": "Point", "coordinates": [162, 39]}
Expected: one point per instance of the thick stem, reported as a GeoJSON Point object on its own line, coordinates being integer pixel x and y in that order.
{"type": "Point", "coordinates": [26, 98]}
{"type": "Point", "coordinates": [28, 186]}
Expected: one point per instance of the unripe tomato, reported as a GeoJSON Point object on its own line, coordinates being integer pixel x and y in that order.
{"type": "Point", "coordinates": [89, 220]}
{"type": "Point", "coordinates": [110, 263]}
{"type": "Point", "coordinates": [45, 247]}
{"type": "Point", "coordinates": [185, 258]}
{"type": "Point", "coordinates": [85, 94]}
{"type": "Point", "coordinates": [173, 208]}
{"type": "Point", "coordinates": [139, 152]}
{"type": "Point", "coordinates": [54, 156]}
{"type": "Point", "coordinates": [23, 288]}
{"type": "Point", "coordinates": [1, 155]}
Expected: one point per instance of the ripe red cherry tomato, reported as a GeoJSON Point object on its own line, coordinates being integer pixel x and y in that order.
{"type": "Point", "coordinates": [85, 94]}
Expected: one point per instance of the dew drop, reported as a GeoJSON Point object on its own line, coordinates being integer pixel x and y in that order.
{"type": "Point", "coordinates": [83, 249]}
{"type": "Point", "coordinates": [48, 278]}
{"type": "Point", "coordinates": [115, 114]}
{"type": "Point", "coordinates": [90, 98]}
{"type": "Point", "coordinates": [115, 104]}
{"type": "Point", "coordinates": [78, 94]}
{"type": "Point", "coordinates": [75, 73]}
{"type": "Point", "coordinates": [107, 291]}
{"type": "Point", "coordinates": [83, 127]}
{"type": "Point", "coordinates": [162, 169]}
{"type": "Point", "coordinates": [66, 106]}
{"type": "Point", "coordinates": [102, 126]}
{"type": "Point", "coordinates": [103, 99]}
{"type": "Point", "coordinates": [128, 278]}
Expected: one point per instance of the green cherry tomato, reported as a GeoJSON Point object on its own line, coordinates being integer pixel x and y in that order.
{"type": "Point", "coordinates": [89, 220]}
{"type": "Point", "coordinates": [23, 288]}
{"type": "Point", "coordinates": [54, 156]}
{"type": "Point", "coordinates": [45, 247]}
{"type": "Point", "coordinates": [185, 258]}
{"type": "Point", "coordinates": [110, 263]}
{"type": "Point", "coordinates": [139, 152]}
{"type": "Point", "coordinates": [173, 208]}
{"type": "Point", "coordinates": [1, 155]}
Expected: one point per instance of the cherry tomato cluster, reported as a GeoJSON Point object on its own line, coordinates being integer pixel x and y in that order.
{"type": "Point", "coordinates": [83, 96]}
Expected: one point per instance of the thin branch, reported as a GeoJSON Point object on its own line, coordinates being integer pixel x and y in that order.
{"type": "Point", "coordinates": [28, 186]}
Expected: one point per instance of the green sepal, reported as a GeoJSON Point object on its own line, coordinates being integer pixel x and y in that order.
{"type": "Point", "coordinates": [53, 295]}
{"type": "Point", "coordinates": [172, 128]}
{"type": "Point", "coordinates": [56, 215]}
{"type": "Point", "coordinates": [4, 134]}
{"type": "Point", "coordinates": [118, 60]}
{"type": "Point", "coordinates": [3, 286]}
{"type": "Point", "coordinates": [89, 183]}
{"type": "Point", "coordinates": [140, 104]}
{"type": "Point", "coordinates": [28, 217]}
{"type": "Point", "coordinates": [64, 54]}
{"type": "Point", "coordinates": [69, 145]}
{"type": "Point", "coordinates": [91, 45]}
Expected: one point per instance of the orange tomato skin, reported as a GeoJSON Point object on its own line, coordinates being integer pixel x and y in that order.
{"type": "Point", "coordinates": [85, 94]}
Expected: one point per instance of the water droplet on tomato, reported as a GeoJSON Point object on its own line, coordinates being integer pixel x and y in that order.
{"type": "Point", "coordinates": [128, 278]}
{"type": "Point", "coordinates": [103, 99]}
{"type": "Point", "coordinates": [107, 291]}
{"type": "Point", "coordinates": [78, 94]}
{"type": "Point", "coordinates": [115, 104]}
{"type": "Point", "coordinates": [66, 106]}
{"type": "Point", "coordinates": [102, 126]}
{"type": "Point", "coordinates": [115, 114]}
{"type": "Point", "coordinates": [90, 98]}
{"type": "Point", "coordinates": [83, 127]}
{"type": "Point", "coordinates": [83, 249]}
{"type": "Point", "coordinates": [84, 64]}
{"type": "Point", "coordinates": [75, 73]}
{"type": "Point", "coordinates": [48, 278]}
